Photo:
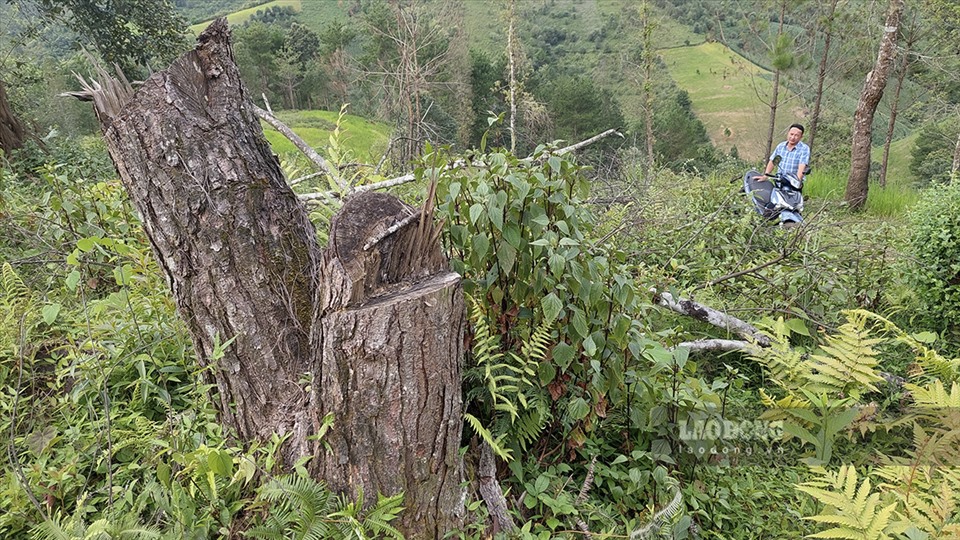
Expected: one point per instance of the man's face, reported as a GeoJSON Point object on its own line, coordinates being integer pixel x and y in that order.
{"type": "Point", "coordinates": [793, 136]}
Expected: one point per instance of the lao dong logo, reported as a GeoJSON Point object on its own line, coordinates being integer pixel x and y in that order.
{"type": "Point", "coordinates": [731, 430]}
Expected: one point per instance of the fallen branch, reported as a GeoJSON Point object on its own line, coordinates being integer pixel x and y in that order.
{"type": "Point", "coordinates": [491, 492]}
{"type": "Point", "coordinates": [705, 345]}
{"type": "Point", "coordinates": [711, 316]}
{"type": "Point", "coordinates": [733, 275]}
{"type": "Point", "coordinates": [591, 140]}
{"type": "Point", "coordinates": [458, 163]}
{"type": "Point", "coordinates": [307, 150]}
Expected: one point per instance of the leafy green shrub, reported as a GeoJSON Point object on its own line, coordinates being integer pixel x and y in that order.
{"type": "Point", "coordinates": [519, 232]}
{"type": "Point", "coordinates": [935, 250]}
{"type": "Point", "coordinates": [932, 156]}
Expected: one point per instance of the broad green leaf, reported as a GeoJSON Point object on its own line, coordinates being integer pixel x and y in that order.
{"type": "Point", "coordinates": [551, 306]}
{"type": "Point", "coordinates": [563, 355]}
{"type": "Point", "coordinates": [220, 462]}
{"type": "Point", "coordinates": [86, 244]}
{"type": "Point", "coordinates": [797, 326]}
{"type": "Point", "coordinates": [580, 323]}
{"type": "Point", "coordinates": [589, 346]}
{"type": "Point", "coordinates": [578, 408]}
{"type": "Point", "coordinates": [50, 312]}
{"type": "Point", "coordinates": [546, 373]}
{"type": "Point", "coordinates": [476, 210]}
{"type": "Point", "coordinates": [495, 213]}
{"type": "Point", "coordinates": [72, 279]}
{"type": "Point", "coordinates": [481, 244]}
{"type": "Point", "coordinates": [506, 256]}
{"type": "Point", "coordinates": [511, 233]}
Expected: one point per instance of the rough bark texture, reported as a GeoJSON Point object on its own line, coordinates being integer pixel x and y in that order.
{"type": "Point", "coordinates": [12, 132]}
{"type": "Point", "coordinates": [858, 180]}
{"type": "Point", "coordinates": [378, 331]}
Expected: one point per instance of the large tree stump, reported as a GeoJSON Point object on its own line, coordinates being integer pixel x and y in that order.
{"type": "Point", "coordinates": [375, 320]}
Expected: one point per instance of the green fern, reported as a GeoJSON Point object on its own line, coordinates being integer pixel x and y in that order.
{"type": "Point", "coordinates": [928, 362]}
{"type": "Point", "coordinates": [784, 364]}
{"type": "Point", "coordinates": [301, 508]}
{"type": "Point", "coordinates": [848, 359]}
{"type": "Point", "coordinates": [12, 288]}
{"type": "Point", "coordinates": [75, 528]}
{"type": "Point", "coordinates": [927, 498]}
{"type": "Point", "coordinates": [853, 511]}
{"type": "Point", "coordinates": [502, 386]}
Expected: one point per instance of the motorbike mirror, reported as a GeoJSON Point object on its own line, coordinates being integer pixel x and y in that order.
{"type": "Point", "coordinates": [777, 159]}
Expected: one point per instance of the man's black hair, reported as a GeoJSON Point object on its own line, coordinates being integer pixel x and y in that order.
{"type": "Point", "coordinates": [798, 126]}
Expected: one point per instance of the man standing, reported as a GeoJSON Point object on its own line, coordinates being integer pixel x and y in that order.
{"type": "Point", "coordinates": [794, 154]}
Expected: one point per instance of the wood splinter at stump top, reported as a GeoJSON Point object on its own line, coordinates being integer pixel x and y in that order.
{"type": "Point", "coordinates": [384, 246]}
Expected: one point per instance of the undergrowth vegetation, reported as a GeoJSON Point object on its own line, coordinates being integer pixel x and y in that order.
{"type": "Point", "coordinates": [837, 424]}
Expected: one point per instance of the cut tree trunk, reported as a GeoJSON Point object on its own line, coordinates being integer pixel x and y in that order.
{"type": "Point", "coordinates": [858, 180]}
{"type": "Point", "coordinates": [369, 329]}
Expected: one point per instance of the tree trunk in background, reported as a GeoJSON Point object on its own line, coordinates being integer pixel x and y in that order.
{"type": "Point", "coordinates": [955, 166]}
{"type": "Point", "coordinates": [773, 113]}
{"type": "Point", "coordinates": [368, 330]}
{"type": "Point", "coordinates": [888, 140]}
{"type": "Point", "coordinates": [777, 68]}
{"type": "Point", "coordinates": [648, 59]}
{"type": "Point", "coordinates": [12, 132]}
{"type": "Point", "coordinates": [876, 81]}
{"type": "Point", "coordinates": [911, 36]}
{"type": "Point", "coordinates": [822, 75]}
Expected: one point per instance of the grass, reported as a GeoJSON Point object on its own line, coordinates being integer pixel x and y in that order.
{"type": "Point", "coordinates": [239, 17]}
{"type": "Point", "coordinates": [891, 201]}
{"type": "Point", "coordinates": [364, 139]}
{"type": "Point", "coordinates": [723, 87]}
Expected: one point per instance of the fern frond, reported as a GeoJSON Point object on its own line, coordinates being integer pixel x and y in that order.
{"type": "Point", "coordinates": [783, 408]}
{"type": "Point", "coordinates": [928, 360]}
{"type": "Point", "coordinates": [854, 509]}
{"type": "Point", "coordinates": [934, 395]}
{"type": "Point", "coordinates": [531, 422]}
{"type": "Point", "coordinates": [12, 287]}
{"type": "Point", "coordinates": [485, 434]}
{"type": "Point", "coordinates": [784, 365]}
{"type": "Point", "coordinates": [848, 360]}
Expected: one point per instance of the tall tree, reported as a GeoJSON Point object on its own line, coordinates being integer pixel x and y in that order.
{"type": "Point", "coordinates": [368, 330]}
{"type": "Point", "coordinates": [873, 87]}
{"type": "Point", "coordinates": [827, 23]}
{"type": "Point", "coordinates": [782, 58]}
{"type": "Point", "coordinates": [130, 33]}
{"type": "Point", "coordinates": [411, 55]}
{"type": "Point", "coordinates": [911, 33]}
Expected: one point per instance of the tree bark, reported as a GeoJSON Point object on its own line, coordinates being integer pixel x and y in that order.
{"type": "Point", "coordinates": [12, 132]}
{"type": "Point", "coordinates": [370, 333]}
{"type": "Point", "coordinates": [873, 86]}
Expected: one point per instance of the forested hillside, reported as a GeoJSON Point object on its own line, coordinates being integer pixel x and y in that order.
{"type": "Point", "coordinates": [463, 269]}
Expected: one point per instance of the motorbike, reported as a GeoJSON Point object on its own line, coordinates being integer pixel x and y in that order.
{"type": "Point", "coordinates": [776, 196]}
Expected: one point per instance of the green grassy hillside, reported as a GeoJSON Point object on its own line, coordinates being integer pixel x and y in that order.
{"type": "Point", "coordinates": [365, 140]}
{"type": "Point", "coordinates": [723, 87]}
{"type": "Point", "coordinates": [240, 17]}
